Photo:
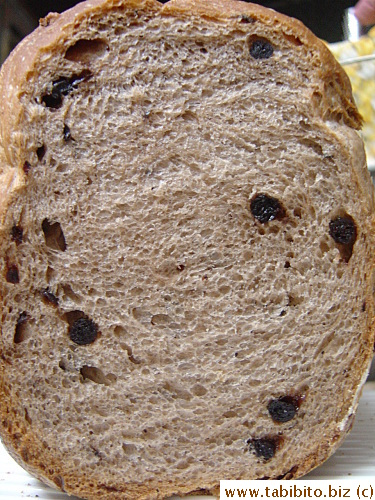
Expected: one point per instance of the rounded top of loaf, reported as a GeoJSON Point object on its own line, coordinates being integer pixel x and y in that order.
{"type": "Point", "coordinates": [55, 31]}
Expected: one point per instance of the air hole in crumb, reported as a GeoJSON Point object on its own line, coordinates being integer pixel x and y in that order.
{"type": "Point", "coordinates": [177, 392]}
{"type": "Point", "coordinates": [26, 167]}
{"type": "Point", "coordinates": [274, 230]}
{"type": "Point", "coordinates": [230, 414]}
{"type": "Point", "coordinates": [246, 19]}
{"type": "Point", "coordinates": [67, 134]}
{"type": "Point", "coordinates": [324, 247]}
{"type": "Point", "coordinates": [50, 274]}
{"type": "Point", "coordinates": [294, 301]}
{"type": "Point", "coordinates": [27, 417]}
{"type": "Point", "coordinates": [49, 298]}
{"type": "Point", "coordinates": [86, 51]}
{"type": "Point", "coordinates": [120, 331]}
{"type": "Point", "coordinates": [297, 212]}
{"type": "Point", "coordinates": [96, 375]}
{"type": "Point", "coordinates": [129, 350]}
{"type": "Point", "coordinates": [12, 274]}
{"type": "Point", "coordinates": [199, 390]}
{"type": "Point", "coordinates": [17, 234]}
{"type": "Point", "coordinates": [53, 235]}
{"type": "Point", "coordinates": [287, 264]}
{"type": "Point", "coordinates": [129, 448]}
{"type": "Point", "coordinates": [289, 238]}
{"type": "Point", "coordinates": [188, 116]}
{"type": "Point", "coordinates": [207, 93]}
{"type": "Point", "coordinates": [160, 320]}
{"type": "Point", "coordinates": [40, 152]}
{"type": "Point", "coordinates": [62, 365]}
{"type": "Point", "coordinates": [20, 333]}
{"type": "Point", "coordinates": [69, 294]}
{"type": "Point", "coordinates": [295, 40]}
{"type": "Point", "coordinates": [222, 341]}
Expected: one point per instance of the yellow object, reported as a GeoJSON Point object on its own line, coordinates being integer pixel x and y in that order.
{"type": "Point", "coordinates": [362, 76]}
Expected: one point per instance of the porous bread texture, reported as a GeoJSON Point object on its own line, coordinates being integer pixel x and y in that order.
{"type": "Point", "coordinates": [130, 204]}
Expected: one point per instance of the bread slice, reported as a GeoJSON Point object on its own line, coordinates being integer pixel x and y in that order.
{"type": "Point", "coordinates": [187, 234]}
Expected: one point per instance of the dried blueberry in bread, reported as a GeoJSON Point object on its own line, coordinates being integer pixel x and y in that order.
{"type": "Point", "coordinates": [186, 249]}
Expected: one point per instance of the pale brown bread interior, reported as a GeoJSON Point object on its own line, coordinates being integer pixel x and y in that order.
{"type": "Point", "coordinates": [205, 314]}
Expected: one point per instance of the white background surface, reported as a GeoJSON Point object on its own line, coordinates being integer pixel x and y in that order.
{"type": "Point", "coordinates": [354, 459]}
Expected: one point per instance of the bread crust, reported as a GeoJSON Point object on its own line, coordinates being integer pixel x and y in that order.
{"type": "Point", "coordinates": [53, 34]}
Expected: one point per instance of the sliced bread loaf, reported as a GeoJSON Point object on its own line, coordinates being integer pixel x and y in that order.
{"type": "Point", "coordinates": [186, 245]}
